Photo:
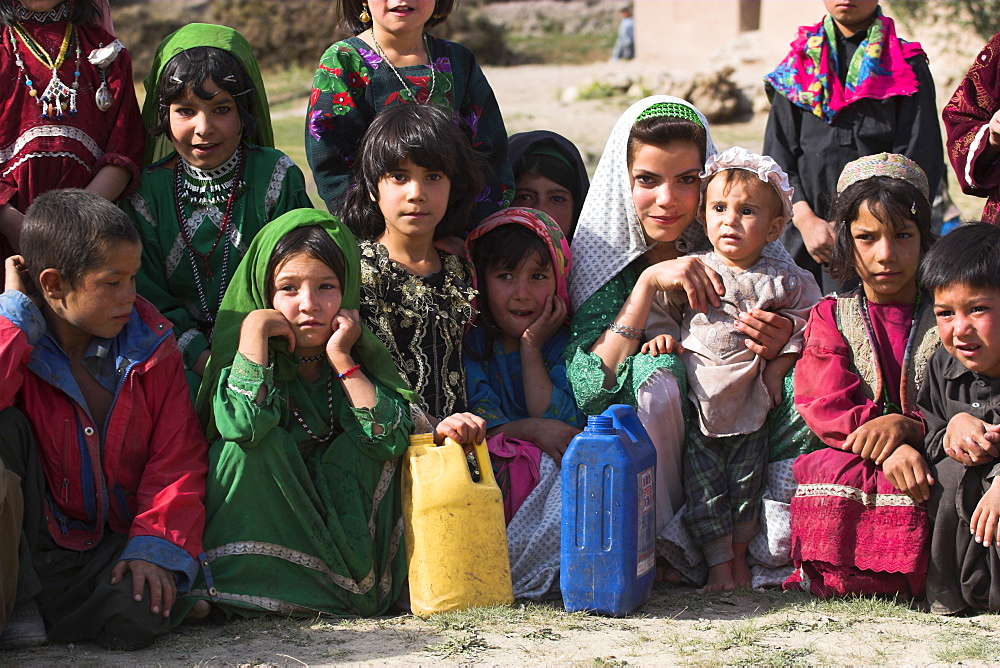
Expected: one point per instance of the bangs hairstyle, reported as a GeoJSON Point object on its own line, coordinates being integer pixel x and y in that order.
{"type": "Point", "coordinates": [311, 240]}
{"type": "Point", "coordinates": [81, 12]}
{"type": "Point", "coordinates": [70, 231]}
{"type": "Point", "coordinates": [968, 255]}
{"type": "Point", "coordinates": [556, 170]}
{"type": "Point", "coordinates": [189, 68]}
{"type": "Point", "coordinates": [350, 9]}
{"type": "Point", "coordinates": [890, 201]}
{"type": "Point", "coordinates": [427, 136]}
{"type": "Point", "coordinates": [503, 248]}
{"type": "Point", "coordinates": [746, 178]}
{"type": "Point", "coordinates": [663, 130]}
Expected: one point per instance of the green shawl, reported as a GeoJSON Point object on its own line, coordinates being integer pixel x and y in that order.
{"type": "Point", "coordinates": [188, 37]}
{"type": "Point", "coordinates": [247, 292]}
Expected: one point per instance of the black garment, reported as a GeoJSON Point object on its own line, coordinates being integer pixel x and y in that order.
{"type": "Point", "coordinates": [962, 573]}
{"type": "Point", "coordinates": [814, 153]}
{"type": "Point", "coordinates": [73, 589]}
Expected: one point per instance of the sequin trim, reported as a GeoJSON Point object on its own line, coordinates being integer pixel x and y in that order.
{"type": "Point", "coordinates": [274, 186]}
{"type": "Point", "coordinates": [43, 131]}
{"type": "Point", "coordinates": [856, 495]}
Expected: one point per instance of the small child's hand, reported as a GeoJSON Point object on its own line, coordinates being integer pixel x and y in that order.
{"type": "Point", "coordinates": [971, 441]}
{"type": "Point", "coordinates": [876, 439]}
{"type": "Point", "coordinates": [983, 524]}
{"type": "Point", "coordinates": [548, 322]}
{"type": "Point", "coordinates": [346, 332]}
{"type": "Point", "coordinates": [664, 344]}
{"type": "Point", "coordinates": [463, 428]}
{"type": "Point", "coordinates": [773, 377]}
{"type": "Point", "coordinates": [16, 275]}
{"type": "Point", "coordinates": [161, 582]}
{"type": "Point", "coordinates": [908, 472]}
{"type": "Point", "coordinates": [553, 437]}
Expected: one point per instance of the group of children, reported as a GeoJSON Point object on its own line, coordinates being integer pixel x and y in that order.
{"type": "Point", "coordinates": [314, 344]}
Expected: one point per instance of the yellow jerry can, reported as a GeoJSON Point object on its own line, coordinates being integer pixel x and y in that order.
{"type": "Point", "coordinates": [456, 539]}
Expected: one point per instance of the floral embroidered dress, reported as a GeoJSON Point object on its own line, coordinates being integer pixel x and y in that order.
{"type": "Point", "coordinates": [353, 84]}
{"type": "Point", "coordinates": [40, 154]}
{"type": "Point", "coordinates": [422, 321]}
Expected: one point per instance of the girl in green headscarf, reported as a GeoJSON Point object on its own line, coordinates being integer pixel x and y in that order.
{"type": "Point", "coordinates": [307, 417]}
{"type": "Point", "coordinates": [214, 169]}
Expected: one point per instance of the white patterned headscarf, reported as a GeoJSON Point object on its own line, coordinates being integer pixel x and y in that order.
{"type": "Point", "coordinates": [609, 236]}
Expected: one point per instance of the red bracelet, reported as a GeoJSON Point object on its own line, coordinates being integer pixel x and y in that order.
{"type": "Point", "coordinates": [347, 373]}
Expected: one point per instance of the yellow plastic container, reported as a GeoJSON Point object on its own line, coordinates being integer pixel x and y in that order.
{"type": "Point", "coordinates": [456, 540]}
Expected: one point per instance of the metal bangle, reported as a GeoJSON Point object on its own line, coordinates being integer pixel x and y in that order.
{"type": "Point", "coordinates": [633, 333]}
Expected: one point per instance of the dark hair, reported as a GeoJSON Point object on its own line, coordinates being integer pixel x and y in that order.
{"type": "Point", "coordinates": [746, 178]}
{"type": "Point", "coordinates": [426, 135]}
{"type": "Point", "coordinates": [890, 200]}
{"type": "Point", "coordinates": [69, 230]}
{"type": "Point", "coordinates": [351, 9]}
{"type": "Point", "coordinates": [311, 240]}
{"type": "Point", "coordinates": [559, 172]}
{"type": "Point", "coordinates": [81, 12]}
{"type": "Point", "coordinates": [189, 68]}
{"type": "Point", "coordinates": [505, 247]}
{"type": "Point", "coordinates": [968, 255]}
{"type": "Point", "coordinates": [663, 130]}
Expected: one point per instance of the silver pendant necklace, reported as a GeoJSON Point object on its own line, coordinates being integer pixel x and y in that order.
{"type": "Point", "coordinates": [430, 65]}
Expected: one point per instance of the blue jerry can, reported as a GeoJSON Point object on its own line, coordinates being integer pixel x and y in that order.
{"type": "Point", "coordinates": [608, 555]}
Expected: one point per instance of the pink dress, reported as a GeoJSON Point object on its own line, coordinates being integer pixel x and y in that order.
{"type": "Point", "coordinates": [853, 532]}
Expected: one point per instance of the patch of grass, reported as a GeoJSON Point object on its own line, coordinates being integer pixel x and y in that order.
{"type": "Point", "coordinates": [766, 655]}
{"type": "Point", "coordinates": [469, 642]}
{"type": "Point", "coordinates": [968, 646]}
{"type": "Point", "coordinates": [557, 48]}
{"type": "Point", "coordinates": [608, 661]}
{"type": "Point", "coordinates": [598, 90]}
{"type": "Point", "coordinates": [738, 634]}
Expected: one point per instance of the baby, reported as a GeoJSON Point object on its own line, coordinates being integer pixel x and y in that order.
{"type": "Point", "coordinates": [747, 203]}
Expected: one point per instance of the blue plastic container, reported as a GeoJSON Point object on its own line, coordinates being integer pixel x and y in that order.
{"type": "Point", "coordinates": [608, 555]}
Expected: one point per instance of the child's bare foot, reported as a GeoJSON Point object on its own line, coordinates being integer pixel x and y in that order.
{"type": "Point", "coordinates": [742, 577]}
{"type": "Point", "coordinates": [720, 578]}
{"type": "Point", "coordinates": [667, 573]}
{"type": "Point", "coordinates": [199, 611]}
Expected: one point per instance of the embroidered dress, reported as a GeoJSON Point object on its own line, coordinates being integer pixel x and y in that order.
{"type": "Point", "coordinates": [853, 532]}
{"type": "Point", "coordinates": [421, 320]}
{"type": "Point", "coordinates": [966, 121]}
{"type": "Point", "coordinates": [297, 526]}
{"type": "Point", "coordinates": [353, 84]}
{"type": "Point", "coordinates": [41, 154]}
{"type": "Point", "coordinates": [185, 287]}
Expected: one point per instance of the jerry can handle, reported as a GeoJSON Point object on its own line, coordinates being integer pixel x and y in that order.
{"type": "Point", "coordinates": [482, 455]}
{"type": "Point", "coordinates": [625, 419]}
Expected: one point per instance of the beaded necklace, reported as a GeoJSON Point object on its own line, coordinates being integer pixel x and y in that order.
{"type": "Point", "coordinates": [329, 409]}
{"type": "Point", "coordinates": [57, 97]}
{"type": "Point", "coordinates": [312, 358]}
{"type": "Point", "coordinates": [420, 97]}
{"type": "Point", "coordinates": [235, 166]}
{"type": "Point", "coordinates": [887, 406]}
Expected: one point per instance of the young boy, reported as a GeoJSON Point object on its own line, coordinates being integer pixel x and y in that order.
{"type": "Point", "coordinates": [97, 435]}
{"type": "Point", "coordinates": [960, 401]}
{"type": "Point", "coordinates": [747, 202]}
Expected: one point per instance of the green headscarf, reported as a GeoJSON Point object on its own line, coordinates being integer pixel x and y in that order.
{"type": "Point", "coordinates": [247, 292]}
{"type": "Point", "coordinates": [188, 37]}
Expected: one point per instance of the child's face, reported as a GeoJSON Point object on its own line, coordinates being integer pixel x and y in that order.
{"type": "Point", "coordinates": [516, 298]}
{"type": "Point", "coordinates": [968, 320]}
{"type": "Point", "coordinates": [413, 200]}
{"type": "Point", "coordinates": [740, 219]}
{"type": "Point", "coordinates": [101, 304]}
{"type": "Point", "coordinates": [886, 258]}
{"type": "Point", "coordinates": [205, 133]}
{"type": "Point", "coordinates": [307, 293]}
{"type": "Point", "coordinates": [397, 16]}
{"type": "Point", "coordinates": [666, 188]}
{"type": "Point", "coordinates": [539, 192]}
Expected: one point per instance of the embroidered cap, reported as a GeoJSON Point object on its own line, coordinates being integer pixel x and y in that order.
{"type": "Point", "coordinates": [671, 110]}
{"type": "Point", "coordinates": [764, 166]}
{"type": "Point", "coordinates": [892, 165]}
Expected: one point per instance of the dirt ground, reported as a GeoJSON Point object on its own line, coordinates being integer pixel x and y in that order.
{"type": "Point", "coordinates": [677, 626]}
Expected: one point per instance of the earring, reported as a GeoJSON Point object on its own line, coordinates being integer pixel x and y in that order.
{"type": "Point", "coordinates": [436, 14]}
{"type": "Point", "coordinates": [364, 15]}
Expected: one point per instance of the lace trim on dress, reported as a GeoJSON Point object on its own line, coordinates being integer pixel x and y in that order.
{"type": "Point", "coordinates": [854, 494]}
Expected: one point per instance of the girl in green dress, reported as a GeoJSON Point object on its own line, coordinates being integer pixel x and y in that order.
{"type": "Point", "coordinates": [214, 181]}
{"type": "Point", "coordinates": [307, 417]}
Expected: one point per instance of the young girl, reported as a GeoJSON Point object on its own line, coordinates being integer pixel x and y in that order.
{"type": "Point", "coordinates": [307, 417]}
{"type": "Point", "coordinates": [853, 531]}
{"type": "Point", "coordinates": [513, 355]}
{"type": "Point", "coordinates": [393, 61]}
{"type": "Point", "coordinates": [549, 175]}
{"type": "Point", "coordinates": [220, 182]}
{"type": "Point", "coordinates": [417, 178]}
{"type": "Point", "coordinates": [69, 117]}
